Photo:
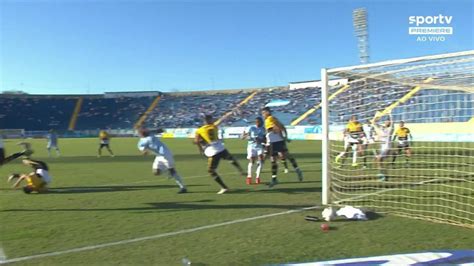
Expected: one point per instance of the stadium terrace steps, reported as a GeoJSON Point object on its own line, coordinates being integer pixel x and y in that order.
{"type": "Point", "coordinates": [242, 103]}
{"type": "Point", "coordinates": [316, 107]}
{"type": "Point", "coordinates": [75, 113]}
{"type": "Point", "coordinates": [144, 116]}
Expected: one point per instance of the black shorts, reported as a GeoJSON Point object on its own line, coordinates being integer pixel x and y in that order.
{"type": "Point", "coordinates": [278, 147]}
{"type": "Point", "coordinates": [2, 155]}
{"type": "Point", "coordinates": [213, 162]}
{"type": "Point", "coordinates": [102, 145]}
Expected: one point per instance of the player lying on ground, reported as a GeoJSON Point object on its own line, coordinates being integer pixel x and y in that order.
{"type": "Point", "coordinates": [256, 140]}
{"type": "Point", "coordinates": [36, 181]}
{"type": "Point", "coordinates": [104, 139]}
{"type": "Point", "coordinates": [353, 138]}
{"type": "Point", "coordinates": [52, 138]}
{"type": "Point", "coordinates": [209, 144]}
{"type": "Point", "coordinates": [402, 133]}
{"type": "Point", "coordinates": [4, 160]}
{"type": "Point", "coordinates": [164, 160]}
{"type": "Point", "coordinates": [276, 136]}
{"type": "Point", "coordinates": [384, 137]}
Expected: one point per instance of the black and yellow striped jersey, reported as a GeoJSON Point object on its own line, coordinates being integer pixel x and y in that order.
{"type": "Point", "coordinates": [354, 128]}
{"type": "Point", "coordinates": [208, 133]}
{"type": "Point", "coordinates": [402, 133]}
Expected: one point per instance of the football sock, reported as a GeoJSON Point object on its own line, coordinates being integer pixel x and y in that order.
{"type": "Point", "coordinates": [12, 157]}
{"type": "Point", "coordinates": [274, 169]}
{"type": "Point", "coordinates": [249, 169]}
{"type": "Point", "coordinates": [219, 181]}
{"type": "Point", "coordinates": [237, 165]}
{"type": "Point", "coordinates": [259, 168]}
{"type": "Point", "coordinates": [178, 180]}
{"type": "Point", "coordinates": [293, 162]}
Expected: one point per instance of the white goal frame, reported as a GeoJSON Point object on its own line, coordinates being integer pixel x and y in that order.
{"type": "Point", "coordinates": [325, 98]}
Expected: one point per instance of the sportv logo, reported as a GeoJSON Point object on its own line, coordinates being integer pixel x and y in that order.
{"type": "Point", "coordinates": [430, 25]}
{"type": "Point", "coordinates": [421, 20]}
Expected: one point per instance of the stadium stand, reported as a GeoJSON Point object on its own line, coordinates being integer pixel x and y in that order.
{"type": "Point", "coordinates": [117, 113]}
{"type": "Point", "coordinates": [35, 113]}
{"type": "Point", "coordinates": [289, 104]}
{"type": "Point", "coordinates": [121, 111]}
{"type": "Point", "coordinates": [187, 109]}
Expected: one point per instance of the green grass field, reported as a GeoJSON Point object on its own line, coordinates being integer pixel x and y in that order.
{"type": "Point", "coordinates": [105, 200]}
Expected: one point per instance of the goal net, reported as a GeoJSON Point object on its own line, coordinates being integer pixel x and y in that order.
{"type": "Point", "coordinates": [423, 169]}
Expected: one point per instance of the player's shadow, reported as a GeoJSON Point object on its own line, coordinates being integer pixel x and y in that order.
{"type": "Point", "coordinates": [172, 207]}
{"type": "Point", "coordinates": [277, 190]}
{"type": "Point", "coordinates": [101, 189]}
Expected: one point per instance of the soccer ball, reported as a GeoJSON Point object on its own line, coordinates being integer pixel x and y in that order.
{"type": "Point", "coordinates": [329, 214]}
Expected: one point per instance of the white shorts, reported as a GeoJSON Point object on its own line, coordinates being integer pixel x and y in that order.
{"type": "Point", "coordinates": [50, 146]}
{"type": "Point", "coordinates": [44, 175]}
{"type": "Point", "coordinates": [214, 148]}
{"type": "Point", "coordinates": [253, 152]}
{"type": "Point", "coordinates": [163, 163]}
{"type": "Point", "coordinates": [384, 150]}
{"type": "Point", "coordinates": [350, 141]}
{"type": "Point", "coordinates": [367, 141]}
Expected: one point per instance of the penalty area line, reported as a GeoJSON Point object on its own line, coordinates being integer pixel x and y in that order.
{"type": "Point", "coordinates": [152, 237]}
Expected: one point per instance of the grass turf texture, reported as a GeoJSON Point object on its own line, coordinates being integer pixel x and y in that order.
{"type": "Point", "coordinates": [101, 200]}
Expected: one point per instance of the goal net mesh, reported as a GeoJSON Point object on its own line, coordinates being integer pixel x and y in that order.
{"type": "Point", "coordinates": [429, 176]}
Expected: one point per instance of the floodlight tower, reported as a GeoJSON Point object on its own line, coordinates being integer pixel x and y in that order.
{"type": "Point", "coordinates": [359, 20]}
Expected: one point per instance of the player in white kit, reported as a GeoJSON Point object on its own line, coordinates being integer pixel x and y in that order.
{"type": "Point", "coordinates": [52, 138]}
{"type": "Point", "coordinates": [384, 138]}
{"type": "Point", "coordinates": [367, 141]}
{"type": "Point", "coordinates": [256, 139]}
{"type": "Point", "coordinates": [164, 160]}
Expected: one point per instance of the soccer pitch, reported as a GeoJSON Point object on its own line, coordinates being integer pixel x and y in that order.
{"type": "Point", "coordinates": [120, 213]}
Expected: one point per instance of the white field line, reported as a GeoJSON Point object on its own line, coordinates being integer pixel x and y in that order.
{"type": "Point", "coordinates": [152, 237]}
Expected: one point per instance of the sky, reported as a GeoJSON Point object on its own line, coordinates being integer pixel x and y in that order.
{"type": "Point", "coordinates": [72, 46]}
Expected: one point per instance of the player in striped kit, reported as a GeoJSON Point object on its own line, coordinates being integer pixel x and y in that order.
{"type": "Point", "coordinates": [36, 181]}
{"type": "Point", "coordinates": [211, 146]}
{"type": "Point", "coordinates": [353, 138]}
{"type": "Point", "coordinates": [402, 134]}
{"type": "Point", "coordinates": [276, 143]}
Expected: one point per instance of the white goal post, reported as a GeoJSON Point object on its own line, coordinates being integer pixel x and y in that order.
{"type": "Point", "coordinates": [422, 169]}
